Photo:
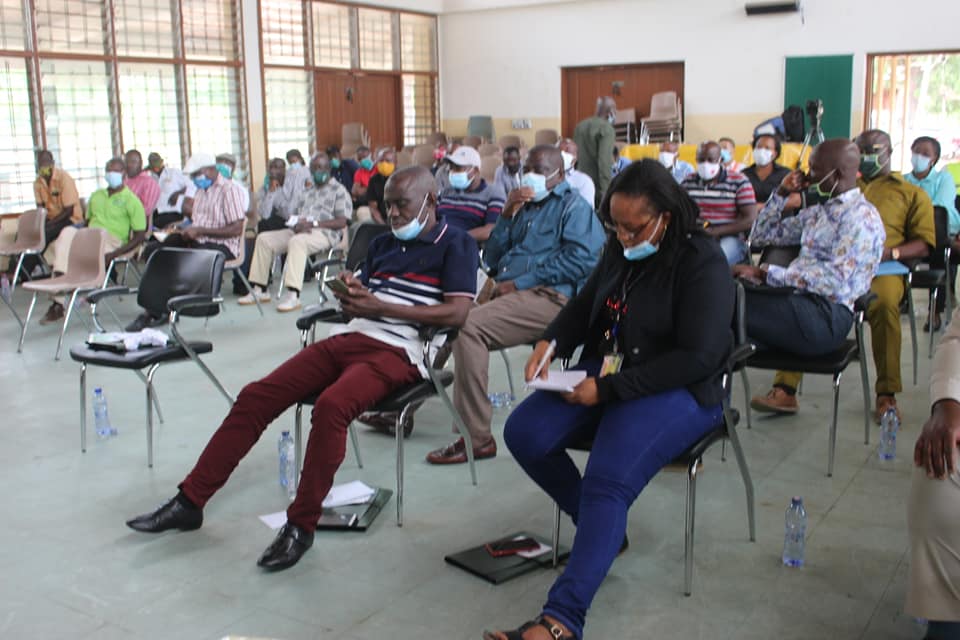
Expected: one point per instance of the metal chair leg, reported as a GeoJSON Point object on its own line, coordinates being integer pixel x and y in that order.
{"type": "Point", "coordinates": [688, 527]}
{"type": "Point", "coordinates": [931, 313]}
{"type": "Point", "coordinates": [398, 427]}
{"type": "Point", "coordinates": [556, 536]}
{"type": "Point", "coordinates": [83, 407]}
{"type": "Point", "coordinates": [16, 273]}
{"type": "Point", "coordinates": [249, 287]}
{"type": "Point", "coordinates": [150, 372]}
{"type": "Point", "coordinates": [833, 422]}
{"type": "Point", "coordinates": [734, 438]}
{"type": "Point", "coordinates": [26, 322]}
{"type": "Point", "coordinates": [746, 397]}
{"type": "Point", "coordinates": [506, 363]}
{"type": "Point", "coordinates": [66, 322]}
{"type": "Point", "coordinates": [297, 446]}
{"type": "Point", "coordinates": [356, 445]}
{"type": "Point", "coordinates": [203, 367]}
{"type": "Point", "coordinates": [156, 398]}
{"type": "Point", "coordinates": [864, 381]}
{"type": "Point", "coordinates": [912, 315]}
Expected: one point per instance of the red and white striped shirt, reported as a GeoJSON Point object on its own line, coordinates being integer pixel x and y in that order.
{"type": "Point", "coordinates": [216, 207]}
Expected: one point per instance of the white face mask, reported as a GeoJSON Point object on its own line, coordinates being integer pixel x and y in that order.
{"type": "Point", "coordinates": [667, 158]}
{"type": "Point", "coordinates": [762, 157]}
{"type": "Point", "coordinates": [568, 160]}
{"type": "Point", "coordinates": [708, 170]}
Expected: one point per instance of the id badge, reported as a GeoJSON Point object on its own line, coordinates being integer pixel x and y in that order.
{"type": "Point", "coordinates": [611, 364]}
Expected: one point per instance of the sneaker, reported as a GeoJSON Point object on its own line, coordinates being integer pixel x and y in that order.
{"type": "Point", "coordinates": [884, 403]}
{"type": "Point", "coordinates": [289, 302]}
{"type": "Point", "coordinates": [254, 296]}
{"type": "Point", "coordinates": [54, 314]}
{"type": "Point", "coordinates": [776, 401]}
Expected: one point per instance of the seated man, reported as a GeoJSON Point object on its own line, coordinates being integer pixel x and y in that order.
{"type": "Point", "coordinates": [386, 165]}
{"type": "Point", "coordinates": [841, 236]}
{"type": "Point", "coordinates": [507, 174]}
{"type": "Point", "coordinates": [323, 212]}
{"type": "Point", "coordinates": [361, 177]}
{"type": "Point", "coordinates": [935, 499]}
{"type": "Point", "coordinates": [217, 220]}
{"type": "Point", "coordinates": [297, 179]}
{"type": "Point", "coordinates": [56, 192]}
{"type": "Point", "coordinates": [727, 204]}
{"type": "Point", "coordinates": [272, 202]}
{"type": "Point", "coordinates": [669, 158]}
{"type": "Point", "coordinates": [175, 188]}
{"type": "Point", "coordinates": [115, 210]}
{"type": "Point", "coordinates": [541, 251]}
{"type": "Point", "coordinates": [140, 182]}
{"type": "Point", "coordinates": [227, 166]}
{"type": "Point", "coordinates": [579, 181]}
{"type": "Point", "coordinates": [942, 190]}
{"type": "Point", "coordinates": [470, 203]}
{"type": "Point", "coordinates": [378, 351]}
{"type": "Point", "coordinates": [727, 148]}
{"type": "Point", "coordinates": [342, 169]}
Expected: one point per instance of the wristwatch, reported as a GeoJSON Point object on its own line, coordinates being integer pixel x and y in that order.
{"type": "Point", "coordinates": [895, 253]}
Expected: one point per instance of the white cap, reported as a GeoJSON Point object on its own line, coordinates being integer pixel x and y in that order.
{"type": "Point", "coordinates": [199, 161]}
{"type": "Point", "coordinates": [465, 156]}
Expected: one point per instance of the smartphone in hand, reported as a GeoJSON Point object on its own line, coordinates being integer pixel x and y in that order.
{"type": "Point", "coordinates": [337, 285]}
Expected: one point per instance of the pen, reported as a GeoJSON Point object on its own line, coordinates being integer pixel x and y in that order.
{"type": "Point", "coordinates": [545, 358]}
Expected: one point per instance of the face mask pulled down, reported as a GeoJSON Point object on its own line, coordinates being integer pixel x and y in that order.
{"type": "Point", "coordinates": [413, 228]}
{"type": "Point", "coordinates": [645, 249]}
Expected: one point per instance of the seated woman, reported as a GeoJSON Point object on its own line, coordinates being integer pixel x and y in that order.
{"type": "Point", "coordinates": [655, 321]}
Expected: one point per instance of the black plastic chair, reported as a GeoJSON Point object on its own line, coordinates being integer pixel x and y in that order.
{"type": "Point", "coordinates": [693, 456]}
{"type": "Point", "coordinates": [180, 282]}
{"type": "Point", "coordinates": [931, 274]}
{"type": "Point", "coordinates": [834, 363]}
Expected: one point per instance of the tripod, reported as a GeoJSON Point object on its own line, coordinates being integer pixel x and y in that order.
{"type": "Point", "coordinates": [815, 135]}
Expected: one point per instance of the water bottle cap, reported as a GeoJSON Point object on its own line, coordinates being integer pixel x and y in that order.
{"type": "Point", "coordinates": [98, 390]}
{"type": "Point", "coordinates": [796, 500]}
{"type": "Point", "coordinates": [284, 433]}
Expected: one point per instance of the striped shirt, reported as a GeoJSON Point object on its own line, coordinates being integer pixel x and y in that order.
{"type": "Point", "coordinates": [468, 210]}
{"type": "Point", "coordinates": [422, 271]}
{"type": "Point", "coordinates": [720, 199]}
{"type": "Point", "coordinates": [219, 206]}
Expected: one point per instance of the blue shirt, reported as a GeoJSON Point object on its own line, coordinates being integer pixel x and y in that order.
{"type": "Point", "coordinates": [422, 271]}
{"type": "Point", "coordinates": [553, 243]}
{"type": "Point", "coordinates": [681, 170]}
{"type": "Point", "coordinates": [942, 190]}
{"type": "Point", "coordinates": [621, 164]}
{"type": "Point", "coordinates": [344, 174]}
{"type": "Point", "coordinates": [840, 241]}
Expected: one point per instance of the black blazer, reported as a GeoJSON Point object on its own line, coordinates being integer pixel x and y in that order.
{"type": "Point", "coordinates": [678, 329]}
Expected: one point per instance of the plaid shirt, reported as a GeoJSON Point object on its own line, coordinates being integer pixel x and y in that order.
{"type": "Point", "coordinates": [326, 202]}
{"type": "Point", "coordinates": [216, 207]}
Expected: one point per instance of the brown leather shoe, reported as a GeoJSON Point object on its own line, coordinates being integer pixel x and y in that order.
{"type": "Point", "coordinates": [883, 404]}
{"type": "Point", "coordinates": [54, 314]}
{"type": "Point", "coordinates": [776, 401]}
{"type": "Point", "coordinates": [386, 422]}
{"type": "Point", "coordinates": [456, 452]}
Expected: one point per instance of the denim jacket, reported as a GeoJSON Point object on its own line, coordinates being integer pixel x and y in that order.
{"type": "Point", "coordinates": [554, 243]}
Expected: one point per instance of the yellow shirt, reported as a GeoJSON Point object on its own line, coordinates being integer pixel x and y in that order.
{"type": "Point", "coordinates": [906, 210]}
{"type": "Point", "coordinates": [59, 194]}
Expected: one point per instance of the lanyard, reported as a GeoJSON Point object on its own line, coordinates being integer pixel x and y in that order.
{"type": "Point", "coordinates": [618, 309]}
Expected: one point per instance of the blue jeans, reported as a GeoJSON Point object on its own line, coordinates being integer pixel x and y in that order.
{"type": "Point", "coordinates": [800, 323]}
{"type": "Point", "coordinates": [734, 248]}
{"type": "Point", "coordinates": [633, 441]}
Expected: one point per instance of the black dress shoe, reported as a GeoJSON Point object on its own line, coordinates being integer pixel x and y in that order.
{"type": "Point", "coordinates": [172, 515]}
{"type": "Point", "coordinates": [287, 548]}
{"type": "Point", "coordinates": [144, 321]}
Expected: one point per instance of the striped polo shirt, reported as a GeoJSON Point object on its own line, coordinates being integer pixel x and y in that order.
{"type": "Point", "coordinates": [421, 271]}
{"type": "Point", "coordinates": [718, 200]}
{"type": "Point", "coordinates": [471, 209]}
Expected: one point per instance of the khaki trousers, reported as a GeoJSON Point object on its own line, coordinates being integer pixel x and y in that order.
{"type": "Point", "coordinates": [515, 319]}
{"type": "Point", "coordinates": [884, 318]}
{"type": "Point", "coordinates": [297, 246]}
{"type": "Point", "coordinates": [933, 588]}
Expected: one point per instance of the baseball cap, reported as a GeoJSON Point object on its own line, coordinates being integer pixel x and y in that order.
{"type": "Point", "coordinates": [199, 161]}
{"type": "Point", "coordinates": [465, 156]}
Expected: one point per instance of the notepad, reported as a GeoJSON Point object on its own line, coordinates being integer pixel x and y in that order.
{"type": "Point", "coordinates": [562, 381]}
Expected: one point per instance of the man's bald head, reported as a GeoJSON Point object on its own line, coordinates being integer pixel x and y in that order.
{"type": "Point", "coordinates": [606, 106]}
{"type": "Point", "coordinates": [406, 191]}
{"type": "Point", "coordinates": [872, 138]}
{"type": "Point", "coordinates": [837, 157]}
{"type": "Point", "coordinates": [875, 148]}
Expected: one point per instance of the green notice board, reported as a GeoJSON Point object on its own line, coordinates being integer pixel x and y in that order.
{"type": "Point", "coordinates": [829, 78]}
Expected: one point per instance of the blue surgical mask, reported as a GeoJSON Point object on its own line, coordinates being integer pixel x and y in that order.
{"type": "Point", "coordinates": [460, 179]}
{"type": "Point", "coordinates": [202, 182]}
{"type": "Point", "coordinates": [537, 182]}
{"type": "Point", "coordinates": [413, 228]}
{"type": "Point", "coordinates": [225, 170]}
{"type": "Point", "coordinates": [726, 155]}
{"type": "Point", "coordinates": [295, 165]}
{"type": "Point", "coordinates": [920, 163]}
{"type": "Point", "coordinates": [645, 249]}
{"type": "Point", "coordinates": [114, 179]}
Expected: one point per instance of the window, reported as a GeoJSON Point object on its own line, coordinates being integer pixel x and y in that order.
{"type": "Point", "coordinates": [331, 36]}
{"type": "Point", "coordinates": [289, 110]}
{"type": "Point", "coordinates": [13, 34]}
{"type": "Point", "coordinates": [17, 161]}
{"type": "Point", "coordinates": [150, 111]}
{"type": "Point", "coordinates": [216, 124]}
{"type": "Point", "coordinates": [912, 95]}
{"type": "Point", "coordinates": [72, 26]}
{"type": "Point", "coordinates": [146, 28]}
{"type": "Point", "coordinates": [283, 22]}
{"type": "Point", "coordinates": [419, 108]}
{"type": "Point", "coordinates": [418, 43]}
{"type": "Point", "coordinates": [211, 29]}
{"type": "Point", "coordinates": [376, 39]}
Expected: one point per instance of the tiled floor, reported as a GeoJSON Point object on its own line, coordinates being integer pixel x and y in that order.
{"type": "Point", "coordinates": [71, 569]}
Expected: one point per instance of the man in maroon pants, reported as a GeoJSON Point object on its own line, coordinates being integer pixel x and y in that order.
{"type": "Point", "coordinates": [424, 273]}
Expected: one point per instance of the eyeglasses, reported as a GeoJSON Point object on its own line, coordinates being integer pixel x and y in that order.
{"type": "Point", "coordinates": [625, 233]}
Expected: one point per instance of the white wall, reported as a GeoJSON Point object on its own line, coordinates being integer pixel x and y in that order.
{"type": "Point", "coordinates": [506, 62]}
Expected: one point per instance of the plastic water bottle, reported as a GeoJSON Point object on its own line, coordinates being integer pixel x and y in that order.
{"type": "Point", "coordinates": [288, 464]}
{"type": "Point", "coordinates": [889, 425]}
{"type": "Point", "coordinates": [501, 399]}
{"type": "Point", "coordinates": [795, 531]}
{"type": "Point", "coordinates": [101, 417]}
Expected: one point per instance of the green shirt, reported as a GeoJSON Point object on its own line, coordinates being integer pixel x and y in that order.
{"type": "Point", "coordinates": [118, 214]}
{"type": "Point", "coordinates": [595, 139]}
{"type": "Point", "coordinates": [906, 210]}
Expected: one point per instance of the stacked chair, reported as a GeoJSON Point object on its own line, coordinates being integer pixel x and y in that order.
{"type": "Point", "coordinates": [665, 121]}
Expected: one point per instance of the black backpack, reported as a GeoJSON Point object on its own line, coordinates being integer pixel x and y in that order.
{"type": "Point", "coordinates": [793, 124]}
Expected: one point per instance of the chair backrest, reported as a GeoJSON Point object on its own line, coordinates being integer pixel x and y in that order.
{"type": "Point", "coordinates": [30, 229]}
{"type": "Point", "coordinates": [354, 133]}
{"type": "Point", "coordinates": [940, 223]}
{"type": "Point", "coordinates": [511, 141]}
{"type": "Point", "coordinates": [85, 259]}
{"type": "Point", "coordinates": [363, 235]}
{"type": "Point", "coordinates": [488, 167]}
{"type": "Point", "coordinates": [481, 126]}
{"type": "Point", "coordinates": [779, 256]}
{"type": "Point", "coordinates": [473, 141]}
{"type": "Point", "coordinates": [546, 136]}
{"type": "Point", "coordinates": [626, 115]}
{"type": "Point", "coordinates": [489, 149]}
{"type": "Point", "coordinates": [436, 138]}
{"type": "Point", "coordinates": [663, 106]}
{"type": "Point", "coordinates": [423, 155]}
{"type": "Point", "coordinates": [241, 254]}
{"type": "Point", "coordinates": [179, 272]}
{"type": "Point", "coordinates": [404, 159]}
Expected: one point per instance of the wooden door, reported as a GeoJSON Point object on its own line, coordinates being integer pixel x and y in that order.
{"type": "Point", "coordinates": [631, 86]}
{"type": "Point", "coordinates": [373, 99]}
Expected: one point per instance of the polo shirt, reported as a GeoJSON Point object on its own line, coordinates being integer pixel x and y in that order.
{"type": "Point", "coordinates": [942, 190]}
{"type": "Point", "coordinates": [218, 206]}
{"type": "Point", "coordinates": [362, 176]}
{"type": "Point", "coordinates": [442, 262]}
{"type": "Point", "coordinates": [145, 188]}
{"type": "Point", "coordinates": [905, 209]}
{"type": "Point", "coordinates": [59, 194]}
{"type": "Point", "coordinates": [118, 213]}
{"type": "Point", "coordinates": [719, 200]}
{"type": "Point", "coordinates": [763, 189]}
{"type": "Point", "coordinates": [467, 209]}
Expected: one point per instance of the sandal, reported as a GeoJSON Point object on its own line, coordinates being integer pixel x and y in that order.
{"type": "Point", "coordinates": [555, 630]}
